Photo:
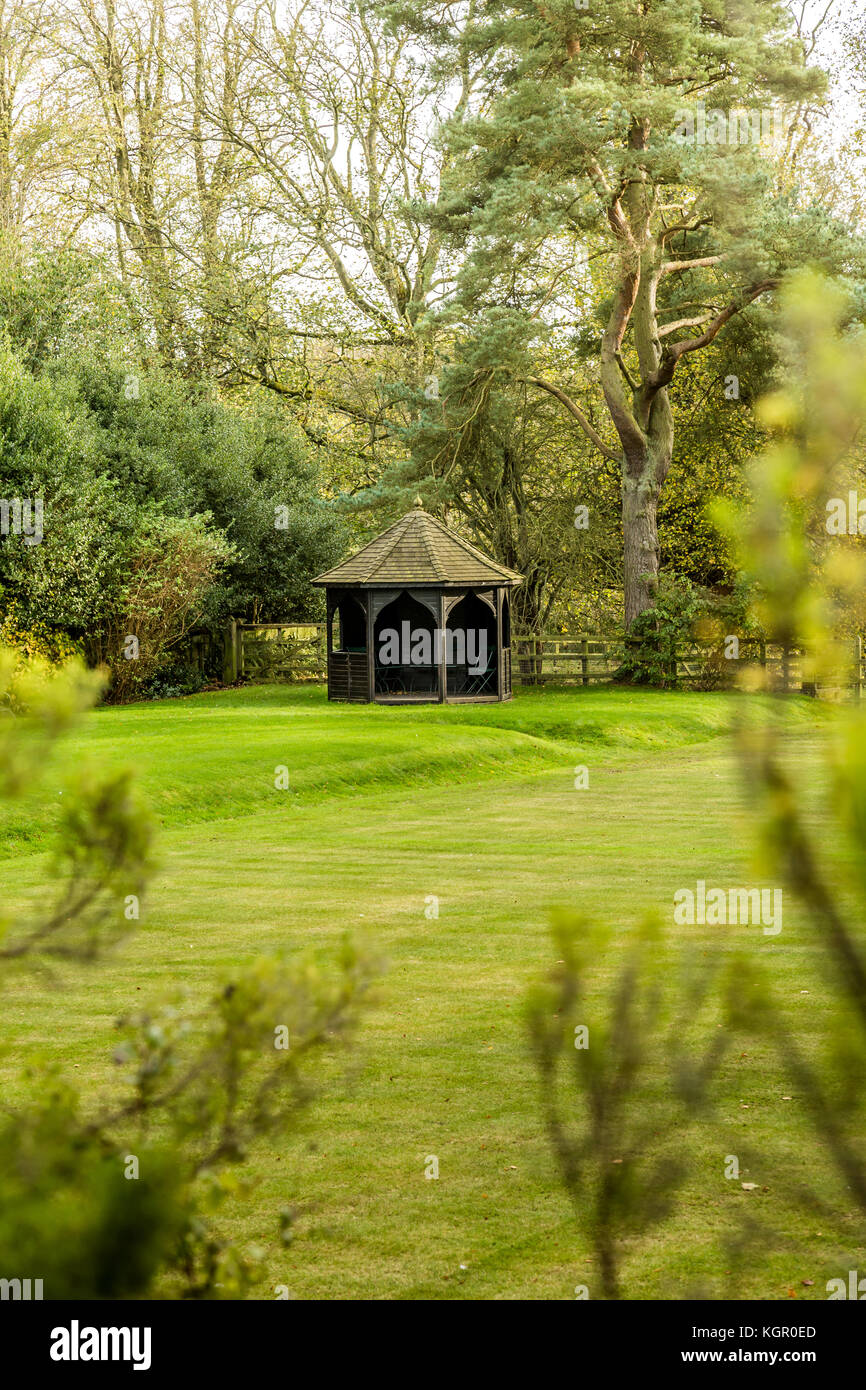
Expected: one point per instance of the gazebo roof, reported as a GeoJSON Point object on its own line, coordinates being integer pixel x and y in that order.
{"type": "Point", "coordinates": [418, 550]}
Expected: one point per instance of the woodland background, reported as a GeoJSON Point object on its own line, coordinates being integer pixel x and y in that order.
{"type": "Point", "coordinates": [277, 259]}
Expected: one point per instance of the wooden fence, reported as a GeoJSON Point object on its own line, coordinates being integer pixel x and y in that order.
{"type": "Point", "coordinates": [275, 652]}
{"type": "Point", "coordinates": [587, 659]}
{"type": "Point", "coordinates": [297, 652]}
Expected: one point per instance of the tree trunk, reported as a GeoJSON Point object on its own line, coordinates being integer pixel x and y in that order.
{"type": "Point", "coordinates": [640, 540]}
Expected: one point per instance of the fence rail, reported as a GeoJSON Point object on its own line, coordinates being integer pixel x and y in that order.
{"type": "Point", "coordinates": [297, 652]}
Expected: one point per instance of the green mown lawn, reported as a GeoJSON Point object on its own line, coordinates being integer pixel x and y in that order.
{"type": "Point", "coordinates": [477, 806]}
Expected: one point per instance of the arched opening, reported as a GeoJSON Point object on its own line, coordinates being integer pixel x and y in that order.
{"type": "Point", "coordinates": [349, 626]}
{"type": "Point", "coordinates": [405, 650]}
{"type": "Point", "coordinates": [470, 648]}
{"type": "Point", "coordinates": [506, 622]}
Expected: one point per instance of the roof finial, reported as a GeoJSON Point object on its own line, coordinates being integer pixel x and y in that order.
{"type": "Point", "coordinates": [419, 502]}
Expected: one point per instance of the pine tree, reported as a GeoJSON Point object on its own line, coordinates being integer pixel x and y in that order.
{"type": "Point", "coordinates": [640, 133]}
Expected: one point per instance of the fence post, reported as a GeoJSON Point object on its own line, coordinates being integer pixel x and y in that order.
{"type": "Point", "coordinates": [230, 652]}
{"type": "Point", "coordinates": [584, 660]}
{"type": "Point", "coordinates": [858, 669]}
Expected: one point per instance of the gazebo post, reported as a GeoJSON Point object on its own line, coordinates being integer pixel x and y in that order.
{"type": "Point", "coordinates": [371, 654]}
{"type": "Point", "coordinates": [330, 637]}
{"type": "Point", "coordinates": [500, 657]}
{"type": "Point", "coordinates": [443, 677]}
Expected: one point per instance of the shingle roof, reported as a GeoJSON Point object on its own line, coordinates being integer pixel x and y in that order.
{"type": "Point", "coordinates": [417, 550]}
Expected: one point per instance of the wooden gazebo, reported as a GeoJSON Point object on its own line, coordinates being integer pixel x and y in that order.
{"type": "Point", "coordinates": [419, 615]}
